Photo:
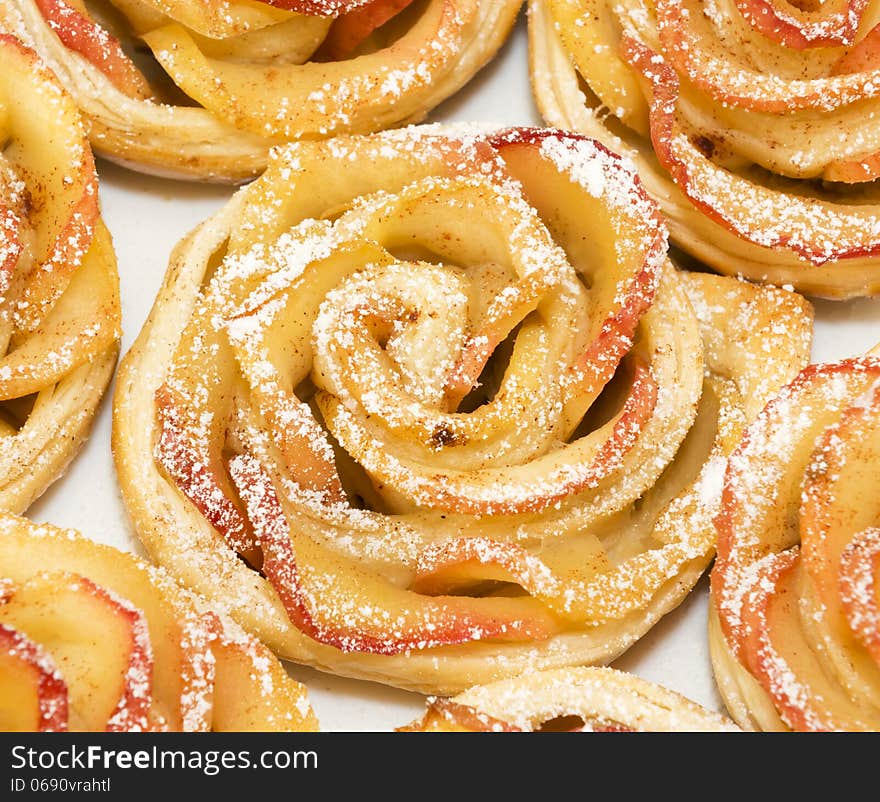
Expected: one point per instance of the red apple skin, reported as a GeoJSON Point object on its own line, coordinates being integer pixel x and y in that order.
{"type": "Point", "coordinates": [857, 171]}
{"type": "Point", "coordinates": [280, 568]}
{"type": "Point", "coordinates": [666, 87]}
{"type": "Point", "coordinates": [836, 29]}
{"type": "Point", "coordinates": [198, 476]}
{"type": "Point", "coordinates": [350, 29]}
{"type": "Point", "coordinates": [864, 57]}
{"type": "Point", "coordinates": [767, 665]}
{"type": "Point", "coordinates": [133, 713]}
{"type": "Point", "coordinates": [90, 40]}
{"type": "Point", "coordinates": [78, 232]}
{"type": "Point", "coordinates": [469, 718]}
{"type": "Point", "coordinates": [637, 409]}
{"type": "Point", "coordinates": [616, 335]}
{"type": "Point", "coordinates": [74, 239]}
{"type": "Point", "coordinates": [52, 690]}
{"type": "Point", "coordinates": [859, 571]}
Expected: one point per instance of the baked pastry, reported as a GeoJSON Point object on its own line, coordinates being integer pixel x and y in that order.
{"type": "Point", "coordinates": [569, 700]}
{"type": "Point", "coordinates": [794, 626]}
{"type": "Point", "coordinates": [202, 90]}
{"type": "Point", "coordinates": [751, 123]}
{"type": "Point", "coordinates": [59, 290]}
{"type": "Point", "coordinates": [94, 639]}
{"type": "Point", "coordinates": [446, 414]}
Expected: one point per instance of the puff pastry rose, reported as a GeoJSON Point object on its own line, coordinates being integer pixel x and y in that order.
{"type": "Point", "coordinates": [202, 90]}
{"type": "Point", "coordinates": [446, 413]}
{"type": "Point", "coordinates": [569, 700]}
{"type": "Point", "coordinates": [795, 625]}
{"type": "Point", "coordinates": [59, 290]}
{"type": "Point", "coordinates": [751, 122]}
{"type": "Point", "coordinates": [93, 639]}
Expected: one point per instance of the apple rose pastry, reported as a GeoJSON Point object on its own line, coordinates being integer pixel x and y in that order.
{"type": "Point", "coordinates": [569, 700]}
{"type": "Point", "coordinates": [59, 290]}
{"type": "Point", "coordinates": [795, 623]}
{"type": "Point", "coordinates": [431, 407]}
{"type": "Point", "coordinates": [202, 90]}
{"type": "Point", "coordinates": [751, 122]}
{"type": "Point", "coordinates": [93, 639]}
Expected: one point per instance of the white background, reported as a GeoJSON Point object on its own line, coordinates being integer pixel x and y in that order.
{"type": "Point", "coordinates": [148, 216]}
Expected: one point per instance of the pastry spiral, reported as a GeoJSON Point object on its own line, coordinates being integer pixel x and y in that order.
{"type": "Point", "coordinates": [59, 290]}
{"type": "Point", "coordinates": [444, 414]}
{"type": "Point", "coordinates": [203, 90]}
{"type": "Point", "coordinates": [751, 122]}
{"type": "Point", "coordinates": [93, 639]}
{"type": "Point", "coordinates": [795, 627]}
{"type": "Point", "coordinates": [569, 700]}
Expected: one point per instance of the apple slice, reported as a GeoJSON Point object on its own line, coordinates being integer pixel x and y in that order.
{"type": "Point", "coordinates": [689, 40]}
{"type": "Point", "coordinates": [81, 326]}
{"type": "Point", "coordinates": [816, 230]}
{"type": "Point", "coordinates": [216, 20]}
{"type": "Point", "coordinates": [780, 657]}
{"type": "Point", "coordinates": [860, 589]}
{"type": "Point", "coordinates": [78, 32]}
{"type": "Point", "coordinates": [839, 496]}
{"type": "Point", "coordinates": [834, 25]}
{"type": "Point", "coordinates": [864, 57]}
{"type": "Point", "coordinates": [177, 643]}
{"type": "Point", "coordinates": [589, 32]}
{"type": "Point", "coordinates": [48, 150]}
{"type": "Point", "coordinates": [99, 642]}
{"type": "Point", "coordinates": [454, 565]}
{"type": "Point", "coordinates": [560, 572]}
{"type": "Point", "coordinates": [318, 8]}
{"type": "Point", "coordinates": [576, 185]}
{"type": "Point", "coordinates": [444, 715]}
{"type": "Point", "coordinates": [190, 450]}
{"type": "Point", "coordinates": [34, 694]}
{"type": "Point", "coordinates": [241, 705]}
{"type": "Point", "coordinates": [853, 171]}
{"type": "Point", "coordinates": [353, 27]}
{"type": "Point", "coordinates": [532, 487]}
{"type": "Point", "coordinates": [336, 601]}
{"type": "Point", "coordinates": [316, 98]}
